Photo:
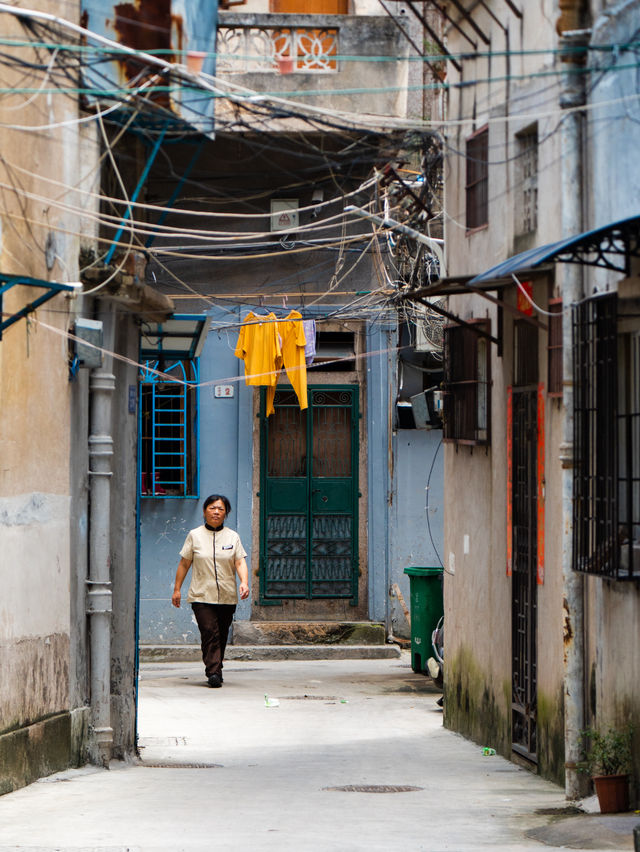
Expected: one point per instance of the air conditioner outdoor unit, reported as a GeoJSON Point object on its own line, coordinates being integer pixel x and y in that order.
{"type": "Point", "coordinates": [425, 341]}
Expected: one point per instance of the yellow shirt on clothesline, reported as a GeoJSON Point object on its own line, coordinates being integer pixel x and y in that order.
{"type": "Point", "coordinates": [259, 347]}
{"type": "Point", "coordinates": [293, 342]}
{"type": "Point", "coordinates": [266, 344]}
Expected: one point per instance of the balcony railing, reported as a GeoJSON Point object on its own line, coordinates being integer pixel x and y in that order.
{"type": "Point", "coordinates": [276, 49]}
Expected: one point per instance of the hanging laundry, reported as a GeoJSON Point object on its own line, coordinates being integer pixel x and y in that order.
{"type": "Point", "coordinates": [259, 346]}
{"type": "Point", "coordinates": [310, 336]}
{"type": "Point", "coordinates": [292, 335]}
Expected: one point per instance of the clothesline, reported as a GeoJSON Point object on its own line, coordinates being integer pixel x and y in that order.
{"type": "Point", "coordinates": [267, 343]}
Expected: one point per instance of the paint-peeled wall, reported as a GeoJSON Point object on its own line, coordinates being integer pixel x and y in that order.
{"type": "Point", "coordinates": [37, 726]}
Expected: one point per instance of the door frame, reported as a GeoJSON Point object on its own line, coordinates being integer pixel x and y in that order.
{"type": "Point", "coordinates": [354, 389]}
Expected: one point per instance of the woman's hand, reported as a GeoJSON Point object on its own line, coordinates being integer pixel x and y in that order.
{"type": "Point", "coordinates": [176, 598]}
{"type": "Point", "coordinates": [244, 591]}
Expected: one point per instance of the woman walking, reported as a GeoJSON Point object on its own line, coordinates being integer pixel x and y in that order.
{"type": "Point", "coordinates": [217, 556]}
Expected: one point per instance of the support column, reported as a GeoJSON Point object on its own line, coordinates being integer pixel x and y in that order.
{"type": "Point", "coordinates": [572, 96]}
{"type": "Point", "coordinates": [101, 385]}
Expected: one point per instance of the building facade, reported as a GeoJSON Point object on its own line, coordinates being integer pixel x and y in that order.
{"type": "Point", "coordinates": [541, 603]}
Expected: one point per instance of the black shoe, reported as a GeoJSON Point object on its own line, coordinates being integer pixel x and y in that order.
{"type": "Point", "coordinates": [215, 680]}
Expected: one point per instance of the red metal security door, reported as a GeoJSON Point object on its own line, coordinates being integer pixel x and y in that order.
{"type": "Point", "coordinates": [524, 597]}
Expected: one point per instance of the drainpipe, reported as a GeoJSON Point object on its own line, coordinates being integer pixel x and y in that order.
{"type": "Point", "coordinates": [101, 386]}
{"type": "Point", "coordinates": [572, 96]}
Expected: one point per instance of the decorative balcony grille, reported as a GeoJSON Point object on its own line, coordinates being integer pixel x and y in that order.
{"type": "Point", "coordinates": [307, 50]}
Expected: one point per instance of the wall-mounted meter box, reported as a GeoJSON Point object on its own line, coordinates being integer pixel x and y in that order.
{"type": "Point", "coordinates": [284, 214]}
{"type": "Point", "coordinates": [89, 332]}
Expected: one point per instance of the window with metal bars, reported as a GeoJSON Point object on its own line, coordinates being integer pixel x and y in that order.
{"type": "Point", "coordinates": [606, 521]}
{"type": "Point", "coordinates": [466, 384]}
{"type": "Point", "coordinates": [168, 429]}
{"type": "Point", "coordinates": [527, 181]}
{"type": "Point", "coordinates": [477, 181]}
{"type": "Point", "coordinates": [554, 349]}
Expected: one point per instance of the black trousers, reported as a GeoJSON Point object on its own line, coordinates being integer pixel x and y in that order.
{"type": "Point", "coordinates": [214, 621]}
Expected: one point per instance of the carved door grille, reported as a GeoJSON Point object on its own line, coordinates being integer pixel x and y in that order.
{"type": "Point", "coordinates": [309, 496]}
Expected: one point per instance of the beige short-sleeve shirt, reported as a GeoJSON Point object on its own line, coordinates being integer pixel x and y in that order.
{"type": "Point", "coordinates": [213, 558]}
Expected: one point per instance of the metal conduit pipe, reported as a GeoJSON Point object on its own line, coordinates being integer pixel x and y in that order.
{"type": "Point", "coordinates": [101, 385]}
{"type": "Point", "coordinates": [572, 96]}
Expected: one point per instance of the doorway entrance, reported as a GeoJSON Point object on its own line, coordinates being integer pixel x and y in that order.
{"type": "Point", "coordinates": [309, 496]}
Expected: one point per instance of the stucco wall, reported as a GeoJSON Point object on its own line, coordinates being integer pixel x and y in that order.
{"type": "Point", "coordinates": [41, 665]}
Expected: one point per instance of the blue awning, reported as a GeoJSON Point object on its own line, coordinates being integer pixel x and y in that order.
{"type": "Point", "coordinates": [182, 336]}
{"type": "Point", "coordinates": [609, 247]}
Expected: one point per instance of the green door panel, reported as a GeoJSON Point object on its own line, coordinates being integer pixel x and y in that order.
{"type": "Point", "coordinates": [332, 495]}
{"type": "Point", "coordinates": [287, 495]}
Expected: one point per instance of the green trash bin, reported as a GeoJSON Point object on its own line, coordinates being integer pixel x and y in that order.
{"type": "Point", "coordinates": [426, 610]}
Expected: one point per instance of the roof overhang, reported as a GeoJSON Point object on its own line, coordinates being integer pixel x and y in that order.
{"type": "Point", "coordinates": [180, 336]}
{"type": "Point", "coordinates": [609, 247]}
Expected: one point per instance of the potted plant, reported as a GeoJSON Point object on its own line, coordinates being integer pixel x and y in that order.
{"type": "Point", "coordinates": [608, 761]}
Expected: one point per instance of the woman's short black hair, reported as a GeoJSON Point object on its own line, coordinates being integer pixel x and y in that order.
{"type": "Point", "coordinates": [212, 499]}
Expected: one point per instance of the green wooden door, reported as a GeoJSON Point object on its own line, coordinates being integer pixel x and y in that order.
{"type": "Point", "coordinates": [309, 496]}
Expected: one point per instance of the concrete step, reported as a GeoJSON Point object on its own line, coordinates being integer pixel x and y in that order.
{"type": "Point", "coordinates": [192, 653]}
{"type": "Point", "coordinates": [308, 633]}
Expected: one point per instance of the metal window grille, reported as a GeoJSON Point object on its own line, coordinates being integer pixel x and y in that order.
{"type": "Point", "coordinates": [168, 429]}
{"type": "Point", "coordinates": [628, 441]}
{"type": "Point", "coordinates": [527, 149]}
{"type": "Point", "coordinates": [603, 470]}
{"type": "Point", "coordinates": [477, 183]}
{"type": "Point", "coordinates": [466, 385]}
{"type": "Point", "coordinates": [554, 349]}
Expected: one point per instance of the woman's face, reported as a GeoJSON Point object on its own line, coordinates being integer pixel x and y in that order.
{"type": "Point", "coordinates": [215, 513]}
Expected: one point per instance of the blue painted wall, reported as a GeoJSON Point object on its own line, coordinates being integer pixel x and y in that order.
{"type": "Point", "coordinates": [418, 522]}
{"type": "Point", "coordinates": [396, 518]}
{"type": "Point", "coordinates": [225, 468]}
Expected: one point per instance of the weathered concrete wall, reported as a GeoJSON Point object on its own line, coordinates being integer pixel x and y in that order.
{"type": "Point", "coordinates": [613, 608]}
{"type": "Point", "coordinates": [123, 539]}
{"type": "Point", "coordinates": [478, 592]}
{"type": "Point", "coordinates": [36, 631]}
{"type": "Point", "coordinates": [372, 86]}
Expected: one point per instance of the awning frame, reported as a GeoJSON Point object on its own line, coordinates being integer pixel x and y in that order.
{"type": "Point", "coordinates": [600, 247]}
{"type": "Point", "coordinates": [52, 289]}
{"type": "Point", "coordinates": [164, 333]}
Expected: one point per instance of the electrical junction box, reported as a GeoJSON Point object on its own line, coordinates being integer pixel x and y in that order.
{"type": "Point", "coordinates": [284, 214]}
{"type": "Point", "coordinates": [425, 414]}
{"type": "Point", "coordinates": [89, 332]}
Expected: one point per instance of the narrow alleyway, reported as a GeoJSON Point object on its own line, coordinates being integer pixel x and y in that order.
{"type": "Point", "coordinates": [354, 757]}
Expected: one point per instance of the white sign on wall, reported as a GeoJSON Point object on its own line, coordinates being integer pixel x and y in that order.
{"type": "Point", "coordinates": [284, 214]}
{"type": "Point", "coordinates": [223, 391]}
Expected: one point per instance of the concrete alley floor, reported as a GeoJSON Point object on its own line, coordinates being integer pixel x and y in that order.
{"type": "Point", "coordinates": [354, 757]}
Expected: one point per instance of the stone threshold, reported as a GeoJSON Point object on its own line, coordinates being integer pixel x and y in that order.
{"type": "Point", "coordinates": [192, 653]}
